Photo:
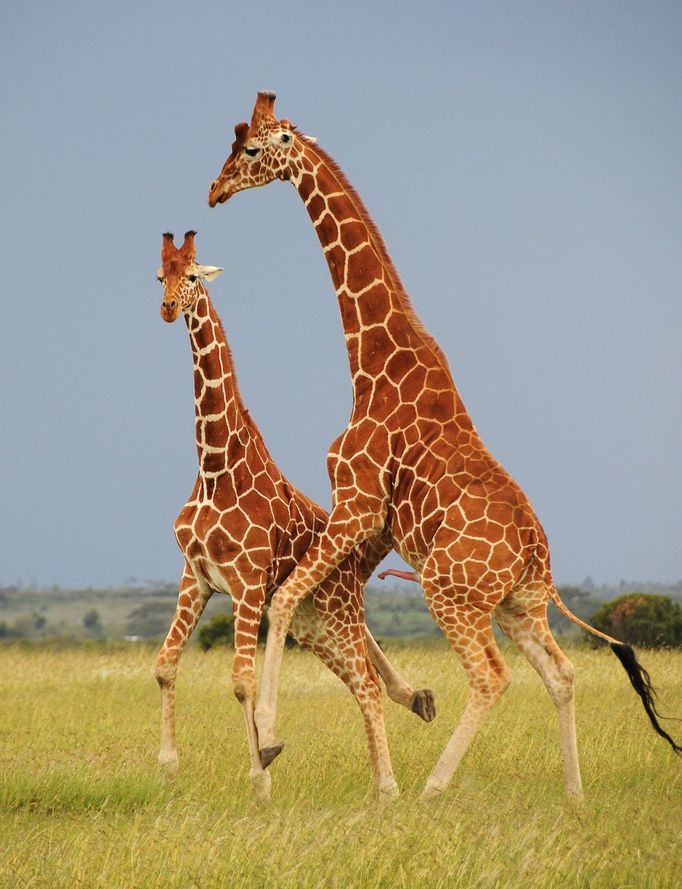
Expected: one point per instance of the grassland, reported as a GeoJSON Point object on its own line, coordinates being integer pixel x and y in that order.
{"type": "Point", "coordinates": [81, 804]}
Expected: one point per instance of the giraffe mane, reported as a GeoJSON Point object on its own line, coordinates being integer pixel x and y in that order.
{"type": "Point", "coordinates": [248, 419]}
{"type": "Point", "coordinates": [377, 242]}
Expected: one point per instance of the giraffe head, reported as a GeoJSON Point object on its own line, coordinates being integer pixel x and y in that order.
{"type": "Point", "coordinates": [262, 151]}
{"type": "Point", "coordinates": [181, 276]}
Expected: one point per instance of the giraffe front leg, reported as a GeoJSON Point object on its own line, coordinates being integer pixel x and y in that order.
{"type": "Point", "coordinates": [192, 599]}
{"type": "Point", "coordinates": [247, 621]}
{"type": "Point", "coordinates": [342, 535]}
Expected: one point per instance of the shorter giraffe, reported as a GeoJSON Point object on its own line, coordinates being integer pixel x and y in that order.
{"type": "Point", "coordinates": [242, 532]}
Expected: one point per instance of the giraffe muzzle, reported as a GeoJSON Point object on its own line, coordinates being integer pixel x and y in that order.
{"type": "Point", "coordinates": [216, 196]}
{"type": "Point", "coordinates": [170, 311]}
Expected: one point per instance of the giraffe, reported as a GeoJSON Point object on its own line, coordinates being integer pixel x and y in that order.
{"type": "Point", "coordinates": [242, 531]}
{"type": "Point", "coordinates": [410, 468]}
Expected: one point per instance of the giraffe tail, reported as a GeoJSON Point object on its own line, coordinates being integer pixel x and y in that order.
{"type": "Point", "coordinates": [638, 676]}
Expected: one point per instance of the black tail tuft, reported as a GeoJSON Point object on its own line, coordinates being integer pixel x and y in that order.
{"type": "Point", "coordinates": [641, 682]}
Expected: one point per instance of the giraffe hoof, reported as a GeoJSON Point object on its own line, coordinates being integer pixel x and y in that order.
{"type": "Point", "coordinates": [261, 783]}
{"type": "Point", "coordinates": [388, 791]}
{"type": "Point", "coordinates": [432, 791]}
{"type": "Point", "coordinates": [267, 754]}
{"type": "Point", "coordinates": [168, 765]}
{"type": "Point", "coordinates": [423, 704]}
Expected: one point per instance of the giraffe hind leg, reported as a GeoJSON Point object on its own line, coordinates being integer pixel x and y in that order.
{"type": "Point", "coordinates": [417, 700]}
{"type": "Point", "coordinates": [345, 654]}
{"type": "Point", "coordinates": [526, 625]}
{"type": "Point", "coordinates": [349, 526]}
{"type": "Point", "coordinates": [469, 632]}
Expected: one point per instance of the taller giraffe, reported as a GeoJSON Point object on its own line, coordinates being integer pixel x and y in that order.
{"type": "Point", "coordinates": [243, 530]}
{"type": "Point", "coordinates": [410, 467]}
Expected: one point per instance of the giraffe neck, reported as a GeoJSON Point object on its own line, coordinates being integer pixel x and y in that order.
{"type": "Point", "coordinates": [379, 321]}
{"type": "Point", "coordinates": [223, 425]}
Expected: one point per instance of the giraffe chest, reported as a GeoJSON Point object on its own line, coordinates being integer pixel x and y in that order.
{"type": "Point", "coordinates": [227, 546]}
{"type": "Point", "coordinates": [255, 535]}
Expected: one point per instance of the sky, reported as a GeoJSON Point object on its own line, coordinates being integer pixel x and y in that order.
{"type": "Point", "coordinates": [522, 161]}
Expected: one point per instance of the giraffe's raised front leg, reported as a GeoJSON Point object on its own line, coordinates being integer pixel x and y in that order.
{"type": "Point", "coordinates": [192, 600]}
{"type": "Point", "coordinates": [345, 532]}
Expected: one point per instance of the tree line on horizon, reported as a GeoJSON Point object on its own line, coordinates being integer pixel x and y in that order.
{"type": "Point", "coordinates": [144, 612]}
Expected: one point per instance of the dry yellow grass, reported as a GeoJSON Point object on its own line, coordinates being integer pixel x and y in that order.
{"type": "Point", "coordinates": [81, 804]}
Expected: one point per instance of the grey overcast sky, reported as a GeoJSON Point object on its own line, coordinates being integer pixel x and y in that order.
{"type": "Point", "coordinates": [523, 162]}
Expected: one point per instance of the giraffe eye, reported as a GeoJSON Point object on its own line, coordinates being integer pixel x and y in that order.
{"type": "Point", "coordinates": [159, 279]}
{"type": "Point", "coordinates": [252, 152]}
{"type": "Point", "coordinates": [286, 138]}
{"type": "Point", "coordinates": [192, 278]}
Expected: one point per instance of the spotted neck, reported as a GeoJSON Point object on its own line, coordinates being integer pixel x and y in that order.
{"type": "Point", "coordinates": [379, 321]}
{"type": "Point", "coordinates": [223, 425]}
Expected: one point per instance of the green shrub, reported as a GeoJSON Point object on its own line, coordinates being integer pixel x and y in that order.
{"type": "Point", "coordinates": [219, 630]}
{"type": "Point", "coordinates": [641, 619]}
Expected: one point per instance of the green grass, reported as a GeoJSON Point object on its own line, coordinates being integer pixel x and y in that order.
{"type": "Point", "coordinates": [81, 803]}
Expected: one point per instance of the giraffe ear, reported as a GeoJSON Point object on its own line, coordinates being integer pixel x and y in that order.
{"type": "Point", "coordinates": [208, 272]}
{"type": "Point", "coordinates": [241, 132]}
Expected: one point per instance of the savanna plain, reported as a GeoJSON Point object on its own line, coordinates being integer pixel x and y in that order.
{"type": "Point", "coordinates": [81, 803]}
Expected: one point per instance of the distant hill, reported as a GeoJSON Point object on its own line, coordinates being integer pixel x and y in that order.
{"type": "Point", "coordinates": [145, 611]}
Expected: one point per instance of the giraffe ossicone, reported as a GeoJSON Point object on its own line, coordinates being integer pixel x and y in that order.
{"type": "Point", "coordinates": [242, 532]}
{"type": "Point", "coordinates": [410, 467]}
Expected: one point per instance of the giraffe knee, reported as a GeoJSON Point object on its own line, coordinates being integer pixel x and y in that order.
{"type": "Point", "coordinates": [561, 685]}
{"type": "Point", "coordinates": [492, 685]}
{"type": "Point", "coordinates": [498, 676]}
{"type": "Point", "coordinates": [280, 615]}
{"type": "Point", "coordinates": [504, 680]}
{"type": "Point", "coordinates": [366, 686]}
{"type": "Point", "coordinates": [243, 686]}
{"type": "Point", "coordinates": [501, 681]}
{"type": "Point", "coordinates": [165, 672]}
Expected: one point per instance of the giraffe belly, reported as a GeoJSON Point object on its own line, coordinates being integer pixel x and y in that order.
{"type": "Point", "coordinates": [214, 576]}
{"type": "Point", "coordinates": [413, 524]}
